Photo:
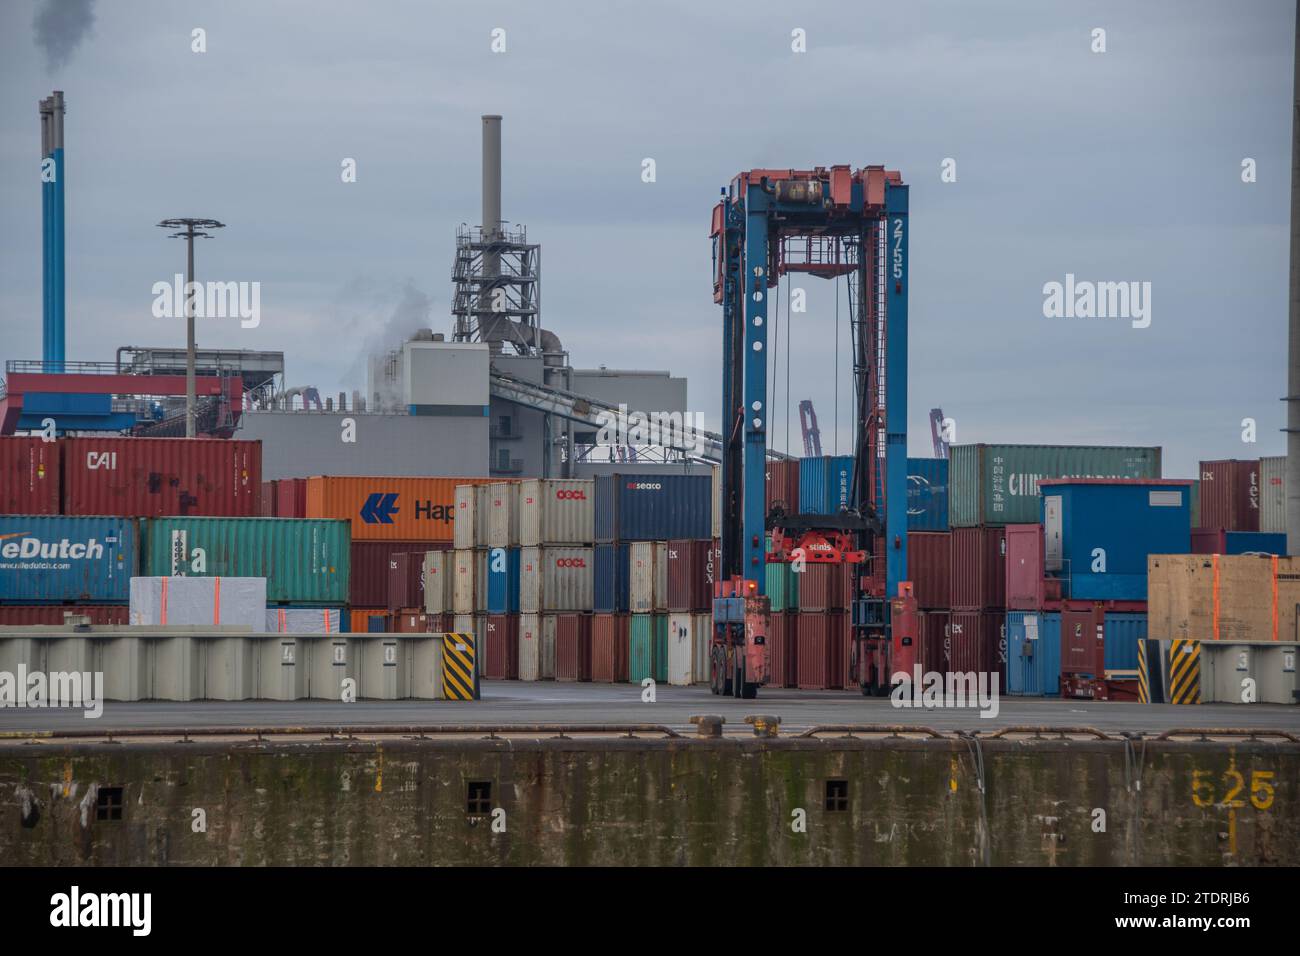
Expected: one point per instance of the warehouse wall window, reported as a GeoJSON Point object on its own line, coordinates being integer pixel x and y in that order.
{"type": "Point", "coordinates": [478, 800]}
{"type": "Point", "coordinates": [837, 796]}
{"type": "Point", "coordinates": [108, 803]}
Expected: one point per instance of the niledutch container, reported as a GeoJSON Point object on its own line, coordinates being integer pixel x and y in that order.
{"type": "Point", "coordinates": [503, 581]}
{"type": "Point", "coordinates": [304, 561]}
{"type": "Point", "coordinates": [652, 507]}
{"type": "Point", "coordinates": [647, 576]}
{"type": "Point", "coordinates": [927, 494]}
{"type": "Point", "coordinates": [502, 514]}
{"type": "Point", "coordinates": [555, 579]}
{"type": "Point", "coordinates": [1272, 495]}
{"type": "Point", "coordinates": [29, 476]}
{"type": "Point", "coordinates": [154, 477]}
{"type": "Point", "coordinates": [388, 508]}
{"type": "Point", "coordinates": [998, 484]}
{"type": "Point", "coordinates": [556, 511]}
{"type": "Point", "coordinates": [1230, 494]}
{"type": "Point", "coordinates": [825, 484]}
{"type": "Point", "coordinates": [609, 578]}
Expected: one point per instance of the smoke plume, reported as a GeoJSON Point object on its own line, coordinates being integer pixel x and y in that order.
{"type": "Point", "coordinates": [60, 26]}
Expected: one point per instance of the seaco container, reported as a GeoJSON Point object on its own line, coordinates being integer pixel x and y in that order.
{"type": "Point", "coordinates": [998, 484]}
{"type": "Point", "coordinates": [29, 476]}
{"type": "Point", "coordinates": [825, 484]}
{"type": "Point", "coordinates": [691, 567]}
{"type": "Point", "coordinates": [977, 575]}
{"type": "Point", "coordinates": [1230, 495]}
{"type": "Point", "coordinates": [1205, 541]}
{"type": "Point", "coordinates": [609, 646]}
{"type": "Point", "coordinates": [652, 507]}
{"type": "Point", "coordinates": [1098, 532]}
{"type": "Point", "coordinates": [927, 494]}
{"type": "Point", "coordinates": [610, 578]}
{"type": "Point", "coordinates": [48, 559]}
{"type": "Point", "coordinates": [556, 511]}
{"type": "Point", "coordinates": [1033, 654]}
{"type": "Point", "coordinates": [503, 581]}
{"type": "Point", "coordinates": [555, 579]}
{"type": "Point", "coordinates": [155, 477]}
{"type": "Point", "coordinates": [929, 554]}
{"type": "Point", "coordinates": [304, 561]}
{"type": "Point", "coordinates": [368, 567]}
{"type": "Point", "coordinates": [388, 509]}
{"type": "Point", "coordinates": [1272, 496]}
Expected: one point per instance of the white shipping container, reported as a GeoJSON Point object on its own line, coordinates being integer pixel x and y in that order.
{"type": "Point", "coordinates": [1272, 495]}
{"type": "Point", "coordinates": [557, 511]}
{"type": "Point", "coordinates": [438, 571]}
{"type": "Point", "coordinates": [530, 647]}
{"type": "Point", "coordinates": [717, 501]}
{"type": "Point", "coordinates": [647, 576]}
{"type": "Point", "coordinates": [503, 514]}
{"type": "Point", "coordinates": [688, 648]}
{"type": "Point", "coordinates": [464, 525]}
{"type": "Point", "coordinates": [463, 586]}
{"type": "Point", "coordinates": [480, 581]}
{"type": "Point", "coordinates": [555, 579]}
{"type": "Point", "coordinates": [550, 624]}
{"type": "Point", "coordinates": [703, 643]}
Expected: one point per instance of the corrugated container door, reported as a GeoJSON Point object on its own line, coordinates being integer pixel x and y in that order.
{"type": "Point", "coordinates": [480, 581]}
{"type": "Point", "coordinates": [690, 575]}
{"type": "Point", "coordinates": [29, 476]}
{"type": "Point", "coordinates": [641, 647]}
{"type": "Point", "coordinates": [502, 650]}
{"type": "Point", "coordinates": [1272, 495]}
{"type": "Point", "coordinates": [927, 494]}
{"type": "Point", "coordinates": [681, 649]}
{"type": "Point", "coordinates": [463, 585]}
{"type": "Point", "coordinates": [530, 647]}
{"type": "Point", "coordinates": [978, 570]}
{"type": "Point", "coordinates": [780, 647]}
{"type": "Point", "coordinates": [929, 555]}
{"type": "Point", "coordinates": [436, 576]}
{"type": "Point", "coordinates": [465, 521]}
{"type": "Point", "coordinates": [1024, 566]}
{"type": "Point", "coordinates": [1083, 639]}
{"type": "Point", "coordinates": [609, 647]}
{"type": "Point", "coordinates": [641, 576]}
{"type": "Point", "coordinates": [573, 647]}
{"type": "Point", "coordinates": [703, 640]}
{"type": "Point", "coordinates": [1230, 495]}
{"type": "Point", "coordinates": [934, 641]}
{"type": "Point", "coordinates": [556, 511]}
{"type": "Point", "coordinates": [660, 624]}
{"type": "Point", "coordinates": [503, 514]}
{"type": "Point", "coordinates": [1123, 631]}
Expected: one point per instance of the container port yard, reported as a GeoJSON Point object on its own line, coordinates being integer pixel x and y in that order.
{"type": "Point", "coordinates": [897, 553]}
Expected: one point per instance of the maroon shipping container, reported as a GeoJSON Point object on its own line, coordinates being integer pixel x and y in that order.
{"type": "Point", "coordinates": [822, 650]}
{"type": "Point", "coordinates": [268, 499]}
{"type": "Point", "coordinates": [781, 640]}
{"type": "Point", "coordinates": [825, 587]}
{"type": "Point", "coordinates": [1083, 640]}
{"type": "Point", "coordinates": [29, 476]}
{"type": "Point", "coordinates": [410, 620]}
{"type": "Point", "coordinates": [690, 575]}
{"type": "Point", "coordinates": [929, 559]}
{"type": "Point", "coordinates": [979, 570]}
{"type": "Point", "coordinates": [783, 485]}
{"type": "Point", "coordinates": [934, 641]}
{"type": "Point", "coordinates": [978, 643]}
{"type": "Point", "coordinates": [1026, 590]}
{"type": "Point", "coordinates": [1229, 495]}
{"type": "Point", "coordinates": [573, 647]}
{"type": "Point", "coordinates": [153, 477]}
{"type": "Point", "coordinates": [406, 580]}
{"type": "Point", "coordinates": [19, 615]}
{"type": "Point", "coordinates": [291, 498]}
{"type": "Point", "coordinates": [609, 646]}
{"type": "Point", "coordinates": [502, 652]}
{"type": "Point", "coordinates": [368, 581]}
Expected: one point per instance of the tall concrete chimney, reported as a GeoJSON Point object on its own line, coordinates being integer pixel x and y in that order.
{"type": "Point", "coordinates": [491, 175]}
{"type": "Point", "coordinates": [53, 325]}
{"type": "Point", "coordinates": [1293, 322]}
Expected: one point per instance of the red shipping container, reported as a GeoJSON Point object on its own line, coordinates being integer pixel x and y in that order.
{"type": "Point", "coordinates": [824, 587]}
{"type": "Point", "coordinates": [573, 647]}
{"type": "Point", "coordinates": [1083, 639]}
{"type": "Point", "coordinates": [368, 581]}
{"type": "Point", "coordinates": [979, 570]}
{"type": "Point", "coordinates": [929, 559]}
{"type": "Point", "coordinates": [783, 485]}
{"type": "Point", "coordinates": [406, 579]}
{"type": "Point", "coordinates": [154, 477]}
{"type": "Point", "coordinates": [291, 498]}
{"type": "Point", "coordinates": [1026, 588]}
{"type": "Point", "coordinates": [359, 618]}
{"type": "Point", "coordinates": [822, 650]}
{"type": "Point", "coordinates": [268, 499]}
{"type": "Point", "coordinates": [781, 627]}
{"type": "Point", "coordinates": [501, 661]}
{"type": "Point", "coordinates": [411, 620]}
{"type": "Point", "coordinates": [978, 643]}
{"type": "Point", "coordinates": [609, 646]}
{"type": "Point", "coordinates": [18, 615]}
{"type": "Point", "coordinates": [1229, 495]}
{"type": "Point", "coordinates": [29, 476]}
{"type": "Point", "coordinates": [690, 575]}
{"type": "Point", "coordinates": [934, 641]}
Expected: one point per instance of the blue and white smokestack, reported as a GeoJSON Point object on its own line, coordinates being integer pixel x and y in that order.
{"type": "Point", "coordinates": [52, 176]}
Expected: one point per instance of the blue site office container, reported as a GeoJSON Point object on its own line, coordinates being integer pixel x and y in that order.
{"type": "Point", "coordinates": [825, 484]}
{"type": "Point", "coordinates": [927, 494]}
{"type": "Point", "coordinates": [51, 559]}
{"type": "Point", "coordinates": [1098, 533]}
{"type": "Point", "coordinates": [1033, 654]}
{"type": "Point", "coordinates": [503, 581]}
{"type": "Point", "coordinates": [610, 579]}
{"type": "Point", "coordinates": [653, 507]}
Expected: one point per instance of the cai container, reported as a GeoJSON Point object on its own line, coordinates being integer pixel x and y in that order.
{"type": "Point", "coordinates": [48, 559]}
{"type": "Point", "coordinates": [1230, 494]}
{"type": "Point", "coordinates": [1272, 495]}
{"type": "Point", "coordinates": [691, 572]}
{"type": "Point", "coordinates": [610, 578]}
{"type": "Point", "coordinates": [502, 519]}
{"type": "Point", "coordinates": [304, 561]}
{"type": "Point", "coordinates": [929, 555]}
{"type": "Point", "coordinates": [29, 476]}
{"type": "Point", "coordinates": [555, 579]}
{"type": "Point", "coordinates": [647, 576]}
{"type": "Point", "coordinates": [155, 477]}
{"type": "Point", "coordinates": [502, 581]}
{"type": "Point", "coordinates": [368, 568]}
{"type": "Point", "coordinates": [977, 576]}
{"type": "Point", "coordinates": [998, 484]}
{"type": "Point", "coordinates": [556, 511]}
{"type": "Point", "coordinates": [609, 646]}
{"type": "Point", "coordinates": [501, 647]}
{"type": "Point", "coordinates": [927, 494]}
{"type": "Point", "coordinates": [977, 643]}
{"type": "Point", "coordinates": [572, 647]}
{"type": "Point", "coordinates": [638, 507]}
{"type": "Point", "coordinates": [1033, 654]}
{"type": "Point", "coordinates": [536, 647]}
{"type": "Point", "coordinates": [388, 508]}
{"type": "Point", "coordinates": [825, 484]}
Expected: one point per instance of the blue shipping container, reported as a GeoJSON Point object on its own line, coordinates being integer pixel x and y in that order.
{"type": "Point", "coordinates": [55, 560]}
{"type": "Point", "coordinates": [653, 507]}
{"type": "Point", "coordinates": [927, 494]}
{"type": "Point", "coordinates": [503, 581]}
{"type": "Point", "coordinates": [1123, 631]}
{"type": "Point", "coordinates": [1264, 542]}
{"type": "Point", "coordinates": [825, 484]}
{"type": "Point", "coordinates": [1033, 654]}
{"type": "Point", "coordinates": [610, 578]}
{"type": "Point", "coordinates": [1099, 532]}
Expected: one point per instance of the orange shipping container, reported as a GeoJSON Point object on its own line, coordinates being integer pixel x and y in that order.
{"type": "Point", "coordinates": [389, 509]}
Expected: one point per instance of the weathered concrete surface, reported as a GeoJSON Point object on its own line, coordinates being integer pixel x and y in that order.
{"type": "Point", "coordinates": [648, 801]}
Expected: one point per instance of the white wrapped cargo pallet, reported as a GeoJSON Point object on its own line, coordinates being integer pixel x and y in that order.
{"type": "Point", "coordinates": [204, 601]}
{"type": "Point", "coordinates": [304, 620]}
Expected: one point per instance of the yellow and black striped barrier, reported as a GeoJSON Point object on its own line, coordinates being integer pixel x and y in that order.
{"type": "Point", "coordinates": [1169, 672]}
{"type": "Point", "coordinates": [459, 667]}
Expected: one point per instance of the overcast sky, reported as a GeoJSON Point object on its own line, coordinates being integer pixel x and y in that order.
{"type": "Point", "coordinates": [1117, 166]}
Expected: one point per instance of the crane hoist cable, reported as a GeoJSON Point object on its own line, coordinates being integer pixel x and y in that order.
{"type": "Point", "coordinates": [837, 365]}
{"type": "Point", "coordinates": [787, 365]}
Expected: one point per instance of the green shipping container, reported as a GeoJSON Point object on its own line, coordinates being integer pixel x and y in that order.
{"type": "Point", "coordinates": [1196, 503]}
{"type": "Point", "coordinates": [781, 586]}
{"type": "Point", "coordinates": [304, 561]}
{"type": "Point", "coordinates": [998, 484]}
{"type": "Point", "coordinates": [648, 648]}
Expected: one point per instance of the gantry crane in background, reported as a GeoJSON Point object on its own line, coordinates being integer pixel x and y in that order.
{"type": "Point", "coordinates": [835, 223]}
{"type": "Point", "coordinates": [936, 433]}
{"type": "Point", "coordinates": [812, 435]}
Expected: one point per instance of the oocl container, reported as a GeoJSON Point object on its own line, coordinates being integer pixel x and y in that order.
{"type": "Point", "coordinates": [572, 646]}
{"type": "Point", "coordinates": [609, 578]}
{"type": "Point", "coordinates": [556, 511]}
{"type": "Point", "coordinates": [927, 494]}
{"type": "Point", "coordinates": [437, 582]}
{"type": "Point", "coordinates": [978, 570]}
{"type": "Point", "coordinates": [647, 576]}
{"type": "Point", "coordinates": [691, 573]}
{"type": "Point", "coordinates": [148, 477]}
{"type": "Point", "coordinates": [1272, 495]}
{"type": "Point", "coordinates": [929, 556]}
{"type": "Point", "coordinates": [503, 581]}
{"type": "Point", "coordinates": [47, 559]}
{"type": "Point", "coordinates": [609, 646]}
{"type": "Point", "coordinates": [388, 508]}
{"type": "Point", "coordinates": [1230, 495]}
{"type": "Point", "coordinates": [304, 561]}
{"type": "Point", "coordinates": [29, 476]}
{"type": "Point", "coordinates": [502, 498]}
{"type": "Point", "coordinates": [463, 583]}
{"type": "Point", "coordinates": [501, 636]}
{"type": "Point", "coordinates": [998, 484]}
{"type": "Point", "coordinates": [632, 507]}
{"type": "Point", "coordinates": [555, 579]}
{"type": "Point", "coordinates": [825, 484]}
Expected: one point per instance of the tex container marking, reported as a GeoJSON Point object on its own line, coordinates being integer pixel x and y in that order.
{"type": "Point", "coordinates": [47, 559]}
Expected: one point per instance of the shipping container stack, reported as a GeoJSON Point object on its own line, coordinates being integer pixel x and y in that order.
{"type": "Point", "coordinates": [929, 558]}
{"type": "Point", "coordinates": [1242, 507]}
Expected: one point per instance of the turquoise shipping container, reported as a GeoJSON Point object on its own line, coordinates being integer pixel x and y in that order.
{"type": "Point", "coordinates": [648, 648]}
